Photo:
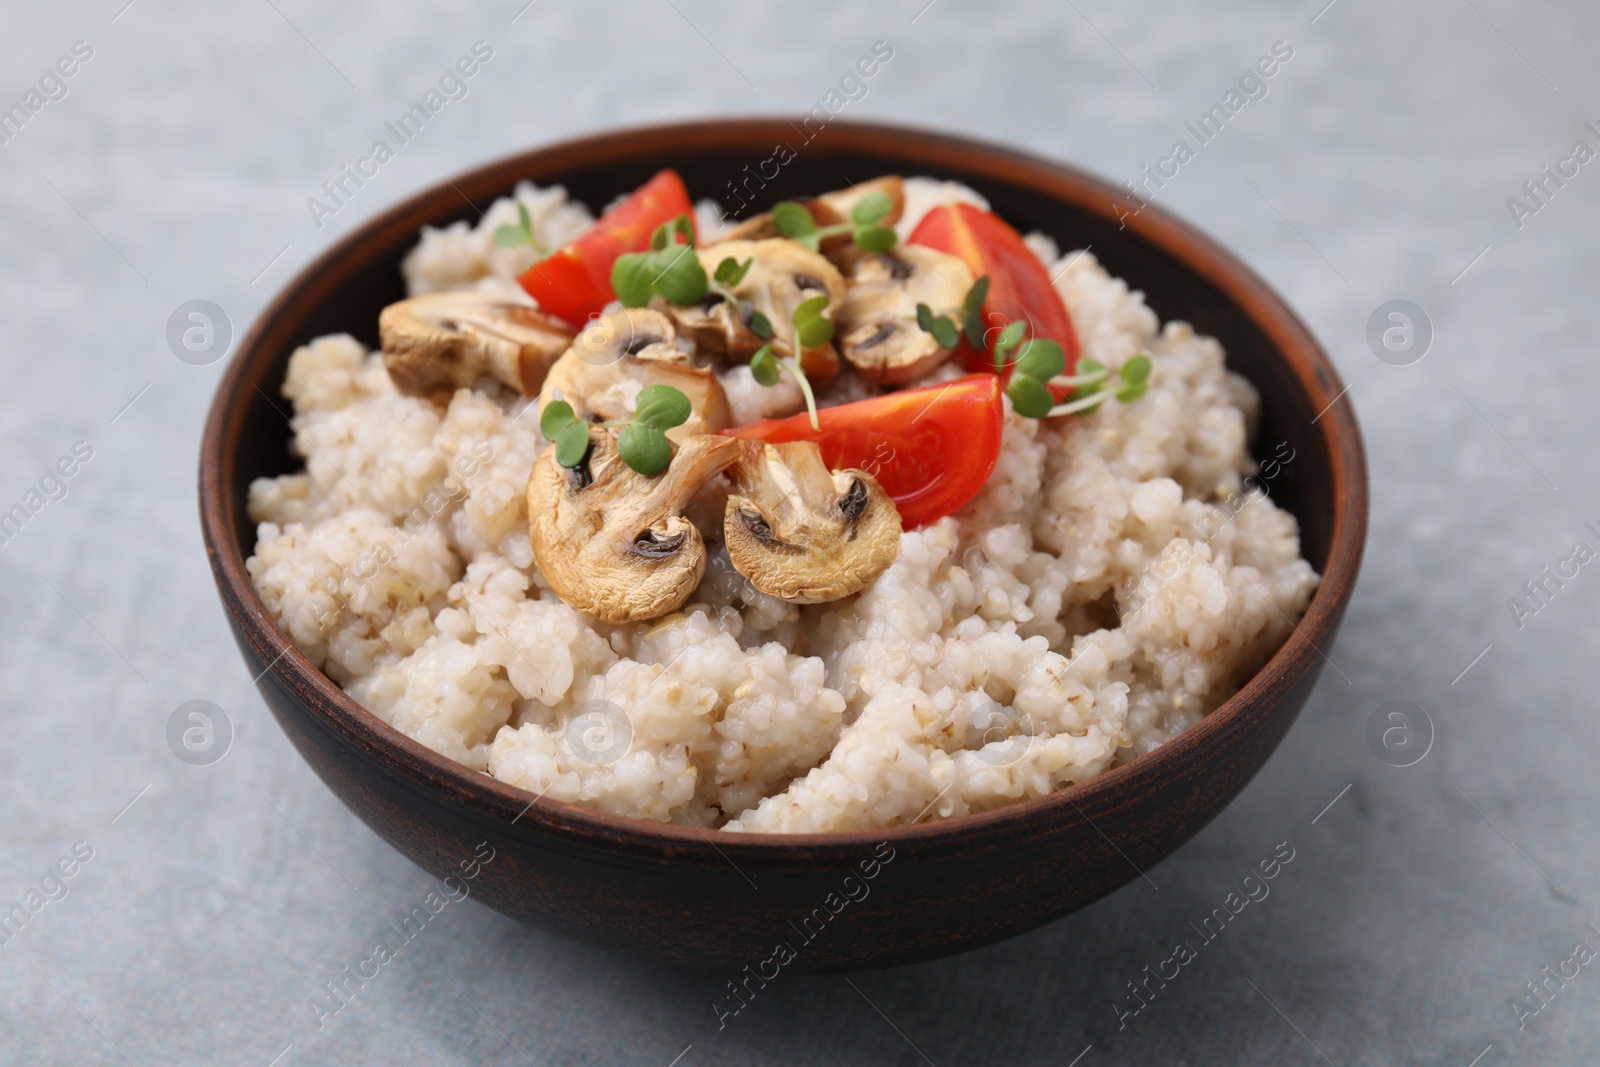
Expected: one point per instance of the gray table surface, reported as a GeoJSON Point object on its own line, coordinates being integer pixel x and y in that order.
{"type": "Point", "coordinates": [1379, 165]}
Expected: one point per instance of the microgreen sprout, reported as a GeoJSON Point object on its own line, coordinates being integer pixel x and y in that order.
{"type": "Point", "coordinates": [1010, 337]}
{"type": "Point", "coordinates": [972, 314]}
{"type": "Point", "coordinates": [811, 330]}
{"type": "Point", "coordinates": [729, 273]}
{"type": "Point", "coordinates": [948, 327]}
{"type": "Point", "coordinates": [519, 235]}
{"type": "Point", "coordinates": [1092, 384]}
{"type": "Point", "coordinates": [1039, 361]}
{"type": "Point", "coordinates": [642, 444]}
{"type": "Point", "coordinates": [867, 225]}
{"type": "Point", "coordinates": [670, 269]}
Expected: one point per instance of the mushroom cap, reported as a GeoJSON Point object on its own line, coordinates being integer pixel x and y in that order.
{"type": "Point", "coordinates": [617, 355]}
{"type": "Point", "coordinates": [441, 342]}
{"type": "Point", "coordinates": [614, 543]}
{"type": "Point", "coordinates": [783, 274]}
{"type": "Point", "coordinates": [879, 335]}
{"type": "Point", "coordinates": [803, 533]}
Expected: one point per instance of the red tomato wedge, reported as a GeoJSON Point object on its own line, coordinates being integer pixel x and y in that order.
{"type": "Point", "coordinates": [930, 448]}
{"type": "Point", "coordinates": [1019, 285]}
{"type": "Point", "coordinates": [575, 282]}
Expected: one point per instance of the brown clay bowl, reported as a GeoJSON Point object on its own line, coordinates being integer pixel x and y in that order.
{"type": "Point", "coordinates": [705, 898]}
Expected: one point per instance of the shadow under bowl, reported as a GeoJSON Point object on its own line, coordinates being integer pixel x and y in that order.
{"type": "Point", "coordinates": [693, 897]}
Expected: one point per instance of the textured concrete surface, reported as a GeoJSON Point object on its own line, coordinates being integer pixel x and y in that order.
{"type": "Point", "coordinates": [1378, 166]}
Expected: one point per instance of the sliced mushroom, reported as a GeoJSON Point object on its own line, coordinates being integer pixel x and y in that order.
{"type": "Point", "coordinates": [619, 354]}
{"type": "Point", "coordinates": [829, 209]}
{"type": "Point", "coordinates": [782, 275]}
{"type": "Point", "coordinates": [714, 325]}
{"type": "Point", "coordinates": [441, 342]}
{"type": "Point", "coordinates": [803, 533]}
{"type": "Point", "coordinates": [878, 331]}
{"type": "Point", "coordinates": [614, 543]}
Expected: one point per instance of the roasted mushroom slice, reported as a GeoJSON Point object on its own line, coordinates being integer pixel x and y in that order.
{"type": "Point", "coordinates": [878, 331]}
{"type": "Point", "coordinates": [829, 209]}
{"type": "Point", "coordinates": [803, 533]}
{"type": "Point", "coordinates": [781, 277]}
{"type": "Point", "coordinates": [441, 342]}
{"type": "Point", "coordinates": [714, 325]}
{"type": "Point", "coordinates": [619, 354]}
{"type": "Point", "coordinates": [614, 543]}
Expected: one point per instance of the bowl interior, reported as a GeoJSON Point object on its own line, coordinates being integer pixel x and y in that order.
{"type": "Point", "coordinates": [1151, 252]}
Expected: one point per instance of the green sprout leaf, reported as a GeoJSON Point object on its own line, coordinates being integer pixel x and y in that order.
{"type": "Point", "coordinates": [814, 332]}
{"type": "Point", "coordinates": [975, 297]}
{"type": "Point", "coordinates": [662, 407]}
{"type": "Point", "coordinates": [572, 443]}
{"type": "Point", "coordinates": [972, 314]}
{"type": "Point", "coordinates": [1011, 336]}
{"type": "Point", "coordinates": [673, 271]}
{"type": "Point", "coordinates": [1131, 391]}
{"type": "Point", "coordinates": [944, 331]}
{"type": "Point", "coordinates": [871, 208]}
{"type": "Point", "coordinates": [760, 325]}
{"type": "Point", "coordinates": [810, 308]}
{"type": "Point", "coordinates": [631, 277]}
{"type": "Point", "coordinates": [644, 448]}
{"type": "Point", "coordinates": [875, 238]}
{"type": "Point", "coordinates": [764, 366]}
{"type": "Point", "coordinates": [555, 415]}
{"type": "Point", "coordinates": [519, 235]}
{"type": "Point", "coordinates": [1029, 396]}
{"type": "Point", "coordinates": [668, 233]}
{"type": "Point", "coordinates": [731, 272]}
{"type": "Point", "coordinates": [1040, 359]}
{"type": "Point", "coordinates": [793, 220]}
{"type": "Point", "coordinates": [1136, 369]}
{"type": "Point", "coordinates": [811, 329]}
{"type": "Point", "coordinates": [681, 279]}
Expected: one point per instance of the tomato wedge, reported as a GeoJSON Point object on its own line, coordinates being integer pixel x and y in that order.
{"type": "Point", "coordinates": [575, 282]}
{"type": "Point", "coordinates": [930, 448]}
{"type": "Point", "coordinates": [1019, 285]}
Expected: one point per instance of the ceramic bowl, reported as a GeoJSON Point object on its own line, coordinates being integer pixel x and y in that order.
{"type": "Point", "coordinates": [722, 900]}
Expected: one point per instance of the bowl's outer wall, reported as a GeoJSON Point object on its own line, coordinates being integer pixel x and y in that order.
{"type": "Point", "coordinates": [684, 897]}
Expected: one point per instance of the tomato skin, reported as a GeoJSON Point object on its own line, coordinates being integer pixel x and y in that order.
{"type": "Point", "coordinates": [1019, 284]}
{"type": "Point", "coordinates": [931, 448]}
{"type": "Point", "coordinates": [574, 282]}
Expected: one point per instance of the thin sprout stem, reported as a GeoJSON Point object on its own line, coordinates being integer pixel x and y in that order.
{"type": "Point", "coordinates": [1081, 379]}
{"type": "Point", "coordinates": [1083, 404]}
{"type": "Point", "coordinates": [792, 365]}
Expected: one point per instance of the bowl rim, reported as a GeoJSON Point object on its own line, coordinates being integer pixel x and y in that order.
{"type": "Point", "coordinates": [430, 772]}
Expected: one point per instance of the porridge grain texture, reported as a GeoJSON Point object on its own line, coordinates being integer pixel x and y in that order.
{"type": "Point", "coordinates": [1071, 617]}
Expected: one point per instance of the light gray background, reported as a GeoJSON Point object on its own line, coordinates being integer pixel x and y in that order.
{"type": "Point", "coordinates": [1378, 168]}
